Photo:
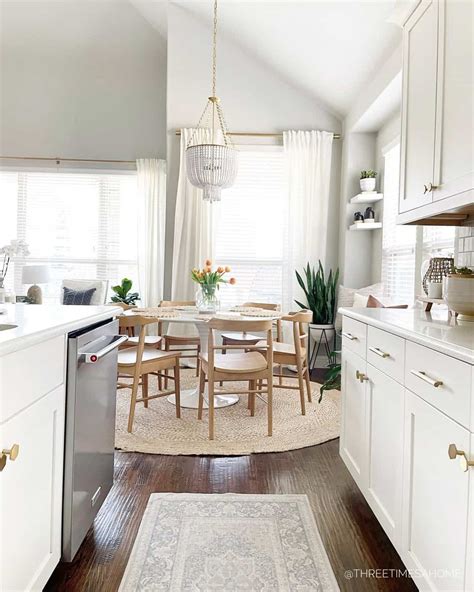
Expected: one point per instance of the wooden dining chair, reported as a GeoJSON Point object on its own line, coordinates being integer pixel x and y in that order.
{"type": "Point", "coordinates": [132, 341]}
{"type": "Point", "coordinates": [140, 361]}
{"type": "Point", "coordinates": [294, 354]}
{"type": "Point", "coordinates": [254, 365]}
{"type": "Point", "coordinates": [188, 346]}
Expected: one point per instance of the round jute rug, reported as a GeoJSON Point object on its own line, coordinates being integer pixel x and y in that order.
{"type": "Point", "coordinates": [156, 430]}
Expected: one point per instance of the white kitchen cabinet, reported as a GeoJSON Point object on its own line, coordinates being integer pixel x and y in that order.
{"type": "Point", "coordinates": [416, 397]}
{"type": "Point", "coordinates": [352, 444]}
{"type": "Point", "coordinates": [436, 168]}
{"type": "Point", "coordinates": [454, 154]}
{"type": "Point", "coordinates": [420, 41]}
{"type": "Point", "coordinates": [435, 498]}
{"type": "Point", "coordinates": [384, 449]}
{"type": "Point", "coordinates": [31, 494]}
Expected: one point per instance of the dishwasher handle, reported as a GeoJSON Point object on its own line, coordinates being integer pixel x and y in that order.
{"type": "Point", "coordinates": [93, 357]}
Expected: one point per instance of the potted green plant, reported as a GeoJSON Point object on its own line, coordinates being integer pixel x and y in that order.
{"type": "Point", "coordinates": [321, 294]}
{"type": "Point", "coordinates": [333, 376]}
{"type": "Point", "coordinates": [123, 294]}
{"type": "Point", "coordinates": [367, 180]}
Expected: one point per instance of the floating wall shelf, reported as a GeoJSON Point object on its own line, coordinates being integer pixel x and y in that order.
{"type": "Point", "coordinates": [366, 198]}
{"type": "Point", "coordinates": [366, 226]}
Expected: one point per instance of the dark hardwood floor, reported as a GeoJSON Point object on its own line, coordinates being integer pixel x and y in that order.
{"type": "Point", "coordinates": [351, 534]}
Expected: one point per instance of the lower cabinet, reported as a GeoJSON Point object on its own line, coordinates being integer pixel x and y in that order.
{"type": "Point", "coordinates": [352, 443]}
{"type": "Point", "coordinates": [412, 461]}
{"type": "Point", "coordinates": [436, 515]}
{"type": "Point", "coordinates": [384, 450]}
{"type": "Point", "coordinates": [31, 494]}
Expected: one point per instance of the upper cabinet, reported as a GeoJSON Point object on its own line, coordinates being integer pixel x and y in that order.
{"type": "Point", "coordinates": [437, 178]}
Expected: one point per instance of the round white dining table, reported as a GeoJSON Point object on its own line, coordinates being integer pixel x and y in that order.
{"type": "Point", "coordinates": [190, 397]}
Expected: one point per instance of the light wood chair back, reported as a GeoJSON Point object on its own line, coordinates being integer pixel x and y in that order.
{"type": "Point", "coordinates": [170, 303]}
{"type": "Point", "coordinates": [300, 320]}
{"type": "Point", "coordinates": [264, 305]}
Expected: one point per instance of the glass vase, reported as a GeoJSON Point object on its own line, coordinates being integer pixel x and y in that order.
{"type": "Point", "coordinates": [207, 299]}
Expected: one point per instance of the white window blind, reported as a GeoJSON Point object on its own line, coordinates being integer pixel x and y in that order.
{"type": "Point", "coordinates": [82, 226]}
{"type": "Point", "coordinates": [438, 241]}
{"type": "Point", "coordinates": [252, 229]}
{"type": "Point", "coordinates": [404, 246]}
{"type": "Point", "coordinates": [399, 242]}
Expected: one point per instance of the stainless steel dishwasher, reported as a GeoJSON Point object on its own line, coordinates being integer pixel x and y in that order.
{"type": "Point", "coordinates": [90, 428]}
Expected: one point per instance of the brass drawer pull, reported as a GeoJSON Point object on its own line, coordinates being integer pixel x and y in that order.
{"type": "Point", "coordinates": [361, 376]}
{"type": "Point", "coordinates": [379, 352]}
{"type": "Point", "coordinates": [9, 452]}
{"type": "Point", "coordinates": [453, 452]}
{"type": "Point", "coordinates": [426, 378]}
{"type": "Point", "coordinates": [349, 336]}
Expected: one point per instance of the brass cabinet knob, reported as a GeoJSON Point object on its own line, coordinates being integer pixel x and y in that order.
{"type": "Point", "coordinates": [7, 453]}
{"type": "Point", "coordinates": [454, 452]}
{"type": "Point", "coordinates": [361, 376]}
{"type": "Point", "coordinates": [429, 188]}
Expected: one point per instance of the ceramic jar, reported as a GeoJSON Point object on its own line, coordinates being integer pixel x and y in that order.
{"type": "Point", "coordinates": [459, 295]}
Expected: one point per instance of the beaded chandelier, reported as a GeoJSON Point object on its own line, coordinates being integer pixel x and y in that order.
{"type": "Point", "coordinates": [212, 167]}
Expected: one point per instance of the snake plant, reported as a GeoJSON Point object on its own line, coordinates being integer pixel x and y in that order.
{"type": "Point", "coordinates": [321, 293]}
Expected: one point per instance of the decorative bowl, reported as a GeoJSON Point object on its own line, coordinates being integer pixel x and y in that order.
{"type": "Point", "coordinates": [459, 295]}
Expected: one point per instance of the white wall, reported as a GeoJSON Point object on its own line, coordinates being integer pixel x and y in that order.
{"type": "Point", "coordinates": [376, 109]}
{"type": "Point", "coordinates": [254, 98]}
{"type": "Point", "coordinates": [355, 246]}
{"type": "Point", "coordinates": [385, 136]}
{"type": "Point", "coordinates": [81, 80]}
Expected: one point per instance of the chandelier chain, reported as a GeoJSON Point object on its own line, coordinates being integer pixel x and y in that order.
{"type": "Point", "coordinates": [214, 51]}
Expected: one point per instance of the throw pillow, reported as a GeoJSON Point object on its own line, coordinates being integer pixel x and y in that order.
{"type": "Point", "coordinates": [360, 300]}
{"type": "Point", "coordinates": [77, 296]}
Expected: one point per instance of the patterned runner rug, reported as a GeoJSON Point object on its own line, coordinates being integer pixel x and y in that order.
{"type": "Point", "coordinates": [226, 543]}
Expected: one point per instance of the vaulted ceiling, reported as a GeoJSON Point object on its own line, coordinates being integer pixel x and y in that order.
{"type": "Point", "coordinates": [328, 48]}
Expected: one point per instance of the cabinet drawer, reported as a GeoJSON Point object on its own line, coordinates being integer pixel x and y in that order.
{"type": "Point", "coordinates": [441, 380]}
{"type": "Point", "coordinates": [354, 336]}
{"type": "Point", "coordinates": [386, 352]}
{"type": "Point", "coordinates": [28, 374]}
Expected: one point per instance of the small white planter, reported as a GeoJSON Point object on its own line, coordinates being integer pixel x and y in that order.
{"type": "Point", "coordinates": [367, 184]}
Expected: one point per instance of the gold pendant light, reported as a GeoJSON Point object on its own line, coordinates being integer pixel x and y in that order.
{"type": "Point", "coordinates": [212, 167]}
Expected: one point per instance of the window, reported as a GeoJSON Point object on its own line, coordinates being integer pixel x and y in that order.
{"type": "Point", "coordinates": [82, 226]}
{"type": "Point", "coordinates": [398, 242]}
{"type": "Point", "coordinates": [405, 247]}
{"type": "Point", "coordinates": [252, 229]}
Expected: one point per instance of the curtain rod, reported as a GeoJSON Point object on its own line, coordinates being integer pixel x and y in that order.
{"type": "Point", "coordinates": [259, 134]}
{"type": "Point", "coordinates": [58, 160]}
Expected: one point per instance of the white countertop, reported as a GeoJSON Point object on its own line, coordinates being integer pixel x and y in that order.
{"type": "Point", "coordinates": [38, 322]}
{"type": "Point", "coordinates": [432, 329]}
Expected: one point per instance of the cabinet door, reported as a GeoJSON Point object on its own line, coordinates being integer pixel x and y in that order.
{"type": "Point", "coordinates": [420, 40]}
{"type": "Point", "coordinates": [384, 421]}
{"type": "Point", "coordinates": [352, 444]}
{"type": "Point", "coordinates": [31, 494]}
{"type": "Point", "coordinates": [454, 154]}
{"type": "Point", "coordinates": [435, 498]}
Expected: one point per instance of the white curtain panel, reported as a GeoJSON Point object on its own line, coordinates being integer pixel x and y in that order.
{"type": "Point", "coordinates": [308, 157]}
{"type": "Point", "coordinates": [195, 227]}
{"type": "Point", "coordinates": [195, 224]}
{"type": "Point", "coordinates": [151, 228]}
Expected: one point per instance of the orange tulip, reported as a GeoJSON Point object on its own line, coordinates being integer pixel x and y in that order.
{"type": "Point", "coordinates": [232, 281]}
{"type": "Point", "coordinates": [227, 268]}
{"type": "Point", "coordinates": [220, 269]}
{"type": "Point", "coordinates": [207, 270]}
{"type": "Point", "coordinates": [208, 263]}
